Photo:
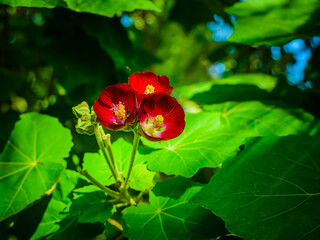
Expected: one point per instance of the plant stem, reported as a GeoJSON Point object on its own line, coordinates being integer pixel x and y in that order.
{"type": "Point", "coordinates": [101, 146]}
{"type": "Point", "coordinates": [133, 154]}
{"type": "Point", "coordinates": [115, 223]}
{"type": "Point", "coordinates": [99, 185]}
{"type": "Point", "coordinates": [107, 143]}
{"type": "Point", "coordinates": [139, 197]}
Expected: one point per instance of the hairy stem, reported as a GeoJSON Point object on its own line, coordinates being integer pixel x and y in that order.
{"type": "Point", "coordinates": [107, 143]}
{"type": "Point", "coordinates": [101, 146]}
{"type": "Point", "coordinates": [133, 154]}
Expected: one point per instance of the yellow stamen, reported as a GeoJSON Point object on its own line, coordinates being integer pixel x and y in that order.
{"type": "Point", "coordinates": [158, 121]}
{"type": "Point", "coordinates": [149, 89]}
{"type": "Point", "coordinates": [120, 111]}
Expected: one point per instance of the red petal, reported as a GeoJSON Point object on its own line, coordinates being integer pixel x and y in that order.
{"type": "Point", "coordinates": [140, 81]}
{"type": "Point", "coordinates": [110, 96]}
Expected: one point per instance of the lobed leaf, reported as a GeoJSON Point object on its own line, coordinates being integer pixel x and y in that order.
{"type": "Point", "coordinates": [32, 161]}
{"type": "Point", "coordinates": [274, 182]}
{"type": "Point", "coordinates": [210, 138]}
{"type": "Point", "coordinates": [170, 215]}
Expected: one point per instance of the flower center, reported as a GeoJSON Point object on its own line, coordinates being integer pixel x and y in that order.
{"type": "Point", "coordinates": [158, 121]}
{"type": "Point", "coordinates": [149, 89]}
{"type": "Point", "coordinates": [154, 126]}
{"type": "Point", "coordinates": [120, 111]}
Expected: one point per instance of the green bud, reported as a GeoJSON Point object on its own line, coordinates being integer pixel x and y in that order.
{"type": "Point", "coordinates": [84, 127]}
{"type": "Point", "coordinates": [81, 109]}
{"type": "Point", "coordinates": [86, 119]}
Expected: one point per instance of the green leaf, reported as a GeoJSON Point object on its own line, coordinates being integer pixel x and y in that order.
{"type": "Point", "coordinates": [274, 22]}
{"type": "Point", "coordinates": [213, 137]}
{"type": "Point", "coordinates": [86, 189]}
{"type": "Point", "coordinates": [140, 180]}
{"type": "Point", "coordinates": [32, 161]}
{"type": "Point", "coordinates": [256, 119]}
{"type": "Point", "coordinates": [170, 215]}
{"type": "Point", "coordinates": [92, 207]}
{"type": "Point", "coordinates": [202, 144]}
{"type": "Point", "coordinates": [271, 191]}
{"type": "Point", "coordinates": [31, 3]}
{"type": "Point", "coordinates": [54, 212]}
{"type": "Point", "coordinates": [109, 8]}
{"type": "Point", "coordinates": [258, 80]}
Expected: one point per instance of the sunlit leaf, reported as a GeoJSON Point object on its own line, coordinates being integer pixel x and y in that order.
{"type": "Point", "coordinates": [257, 119]}
{"type": "Point", "coordinates": [271, 191]}
{"type": "Point", "coordinates": [274, 22]}
{"type": "Point", "coordinates": [95, 164]}
{"type": "Point", "coordinates": [31, 3]}
{"type": "Point", "coordinates": [109, 8]}
{"type": "Point", "coordinates": [202, 144]}
{"type": "Point", "coordinates": [32, 161]}
{"type": "Point", "coordinates": [170, 215]}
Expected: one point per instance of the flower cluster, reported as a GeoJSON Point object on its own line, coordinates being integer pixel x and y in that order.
{"type": "Point", "coordinates": [146, 99]}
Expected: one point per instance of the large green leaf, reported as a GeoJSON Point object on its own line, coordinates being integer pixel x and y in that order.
{"type": "Point", "coordinates": [32, 161]}
{"type": "Point", "coordinates": [170, 215]}
{"type": "Point", "coordinates": [257, 119]}
{"type": "Point", "coordinates": [109, 8]}
{"type": "Point", "coordinates": [58, 203]}
{"type": "Point", "coordinates": [271, 191]}
{"type": "Point", "coordinates": [213, 137]}
{"type": "Point", "coordinates": [92, 207]}
{"type": "Point", "coordinates": [202, 144]}
{"type": "Point", "coordinates": [31, 3]}
{"type": "Point", "coordinates": [274, 22]}
{"type": "Point", "coordinates": [141, 179]}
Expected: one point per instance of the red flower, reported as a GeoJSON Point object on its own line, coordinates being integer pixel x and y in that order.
{"type": "Point", "coordinates": [161, 118]}
{"type": "Point", "coordinates": [146, 83]}
{"type": "Point", "coordinates": [116, 106]}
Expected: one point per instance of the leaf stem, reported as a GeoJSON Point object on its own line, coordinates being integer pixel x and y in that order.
{"type": "Point", "coordinates": [139, 197]}
{"type": "Point", "coordinates": [99, 185]}
{"type": "Point", "coordinates": [101, 146]}
{"type": "Point", "coordinates": [133, 154]}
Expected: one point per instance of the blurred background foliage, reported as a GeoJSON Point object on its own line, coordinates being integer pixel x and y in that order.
{"type": "Point", "coordinates": [55, 54]}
